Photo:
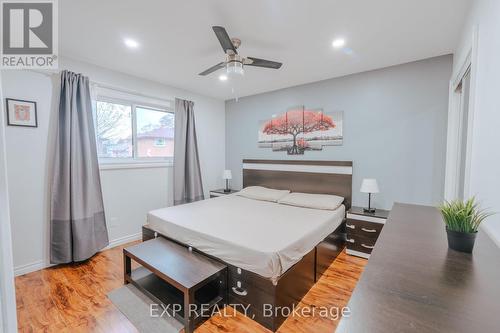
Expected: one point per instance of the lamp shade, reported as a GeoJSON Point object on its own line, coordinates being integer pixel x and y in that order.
{"type": "Point", "coordinates": [227, 174]}
{"type": "Point", "coordinates": [369, 185]}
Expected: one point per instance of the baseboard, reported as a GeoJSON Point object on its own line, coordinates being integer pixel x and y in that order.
{"type": "Point", "coordinates": [38, 265]}
{"type": "Point", "coordinates": [32, 267]}
{"type": "Point", "coordinates": [123, 240]}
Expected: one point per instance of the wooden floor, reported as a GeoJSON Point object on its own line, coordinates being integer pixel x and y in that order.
{"type": "Point", "coordinates": [72, 298]}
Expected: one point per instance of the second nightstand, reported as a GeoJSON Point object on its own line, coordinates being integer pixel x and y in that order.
{"type": "Point", "coordinates": [218, 193]}
{"type": "Point", "coordinates": [363, 230]}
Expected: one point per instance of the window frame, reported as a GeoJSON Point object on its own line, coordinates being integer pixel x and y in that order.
{"type": "Point", "coordinates": [127, 162]}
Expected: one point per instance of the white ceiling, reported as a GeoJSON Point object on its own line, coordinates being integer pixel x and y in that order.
{"type": "Point", "coordinates": [177, 42]}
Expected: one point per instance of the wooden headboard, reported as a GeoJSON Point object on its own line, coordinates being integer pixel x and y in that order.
{"type": "Point", "coordinates": [322, 177]}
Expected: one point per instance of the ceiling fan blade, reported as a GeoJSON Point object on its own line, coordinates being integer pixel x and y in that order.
{"type": "Point", "coordinates": [213, 68]}
{"type": "Point", "coordinates": [249, 61]}
{"type": "Point", "coordinates": [224, 39]}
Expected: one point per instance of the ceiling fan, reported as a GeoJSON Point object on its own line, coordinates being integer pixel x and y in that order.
{"type": "Point", "coordinates": [234, 62]}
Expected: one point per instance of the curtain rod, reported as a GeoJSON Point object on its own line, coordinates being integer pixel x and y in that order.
{"type": "Point", "coordinates": [50, 73]}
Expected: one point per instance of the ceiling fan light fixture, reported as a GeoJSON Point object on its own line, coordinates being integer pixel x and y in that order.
{"type": "Point", "coordinates": [234, 63]}
{"type": "Point", "coordinates": [235, 67]}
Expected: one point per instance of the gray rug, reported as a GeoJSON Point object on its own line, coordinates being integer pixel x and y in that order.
{"type": "Point", "coordinates": [136, 307]}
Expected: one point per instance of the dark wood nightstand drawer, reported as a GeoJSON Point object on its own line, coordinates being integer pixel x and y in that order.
{"type": "Point", "coordinates": [360, 244]}
{"type": "Point", "coordinates": [364, 228]}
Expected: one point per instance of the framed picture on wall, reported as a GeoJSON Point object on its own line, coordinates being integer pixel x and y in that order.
{"type": "Point", "coordinates": [21, 113]}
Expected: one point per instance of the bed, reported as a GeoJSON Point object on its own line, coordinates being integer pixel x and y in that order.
{"type": "Point", "coordinates": [274, 252]}
{"type": "Point", "coordinates": [242, 231]}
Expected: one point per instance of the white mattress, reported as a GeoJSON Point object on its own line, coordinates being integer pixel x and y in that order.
{"type": "Point", "coordinates": [263, 237]}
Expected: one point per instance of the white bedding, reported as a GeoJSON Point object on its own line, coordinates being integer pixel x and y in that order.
{"type": "Point", "coordinates": [266, 238]}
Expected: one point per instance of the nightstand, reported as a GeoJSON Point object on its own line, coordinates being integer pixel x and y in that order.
{"type": "Point", "coordinates": [363, 230]}
{"type": "Point", "coordinates": [219, 193]}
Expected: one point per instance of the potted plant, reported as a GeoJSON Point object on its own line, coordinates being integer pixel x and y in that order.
{"type": "Point", "coordinates": [462, 219]}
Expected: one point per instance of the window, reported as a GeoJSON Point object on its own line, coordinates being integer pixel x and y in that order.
{"type": "Point", "coordinates": [114, 130]}
{"type": "Point", "coordinates": [155, 133]}
{"type": "Point", "coordinates": [127, 131]}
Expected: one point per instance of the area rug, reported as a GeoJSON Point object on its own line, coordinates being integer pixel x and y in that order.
{"type": "Point", "coordinates": [137, 308]}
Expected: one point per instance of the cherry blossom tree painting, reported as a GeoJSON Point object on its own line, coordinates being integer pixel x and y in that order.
{"type": "Point", "coordinates": [300, 129]}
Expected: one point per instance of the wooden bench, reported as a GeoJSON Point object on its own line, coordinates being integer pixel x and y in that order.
{"type": "Point", "coordinates": [189, 284]}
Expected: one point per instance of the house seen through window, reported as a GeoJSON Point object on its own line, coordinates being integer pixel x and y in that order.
{"type": "Point", "coordinates": [126, 131]}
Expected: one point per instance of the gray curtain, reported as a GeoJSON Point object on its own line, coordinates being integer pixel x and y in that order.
{"type": "Point", "coordinates": [187, 174]}
{"type": "Point", "coordinates": [78, 227]}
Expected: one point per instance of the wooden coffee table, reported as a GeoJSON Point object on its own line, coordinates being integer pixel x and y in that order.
{"type": "Point", "coordinates": [186, 282]}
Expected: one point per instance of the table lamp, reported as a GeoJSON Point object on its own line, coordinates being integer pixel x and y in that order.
{"type": "Point", "coordinates": [369, 185]}
{"type": "Point", "coordinates": [227, 176]}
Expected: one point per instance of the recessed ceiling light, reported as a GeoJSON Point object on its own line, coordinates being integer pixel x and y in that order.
{"type": "Point", "coordinates": [131, 43]}
{"type": "Point", "coordinates": [338, 43]}
{"type": "Point", "coordinates": [223, 77]}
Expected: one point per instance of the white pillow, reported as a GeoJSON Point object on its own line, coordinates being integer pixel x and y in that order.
{"type": "Point", "coordinates": [262, 193]}
{"type": "Point", "coordinates": [316, 201]}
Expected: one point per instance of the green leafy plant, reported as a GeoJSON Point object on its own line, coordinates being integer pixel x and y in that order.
{"type": "Point", "coordinates": [463, 216]}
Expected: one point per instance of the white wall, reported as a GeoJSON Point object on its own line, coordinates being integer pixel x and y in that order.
{"type": "Point", "coordinates": [394, 128]}
{"type": "Point", "coordinates": [485, 156]}
{"type": "Point", "coordinates": [128, 193]}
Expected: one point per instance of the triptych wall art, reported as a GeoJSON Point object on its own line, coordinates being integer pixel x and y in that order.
{"type": "Point", "coordinates": [300, 129]}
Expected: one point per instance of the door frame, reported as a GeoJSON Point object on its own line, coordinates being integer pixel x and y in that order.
{"type": "Point", "coordinates": [455, 124]}
{"type": "Point", "coordinates": [8, 317]}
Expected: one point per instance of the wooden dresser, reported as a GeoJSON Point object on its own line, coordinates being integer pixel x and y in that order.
{"type": "Point", "coordinates": [414, 283]}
